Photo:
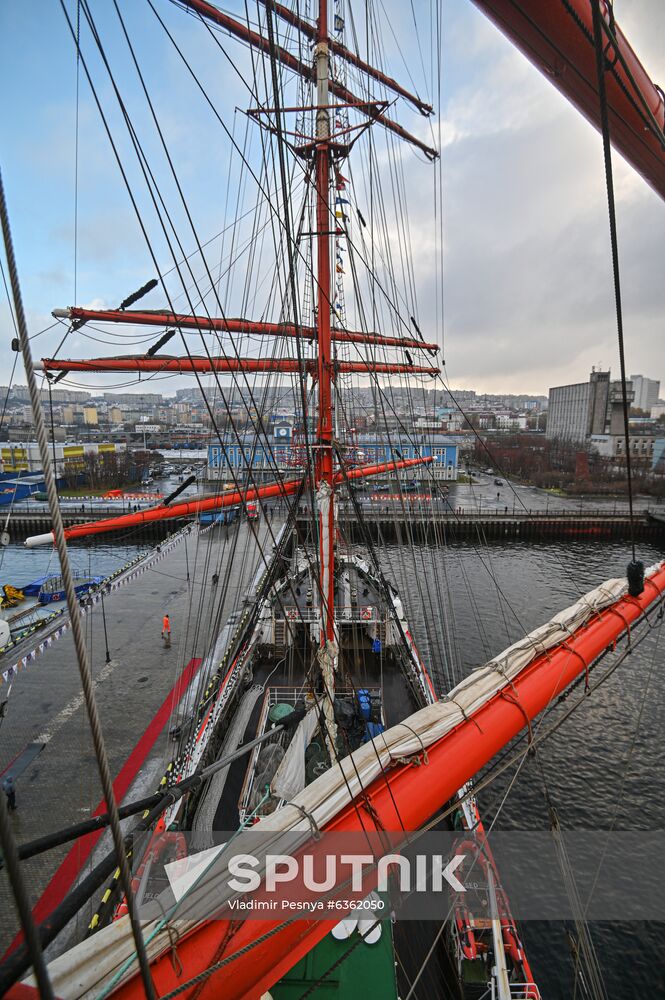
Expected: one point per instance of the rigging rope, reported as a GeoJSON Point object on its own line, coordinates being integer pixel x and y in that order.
{"type": "Point", "coordinates": [290, 243]}
{"type": "Point", "coordinates": [157, 200]}
{"type": "Point", "coordinates": [74, 611]}
{"type": "Point", "coordinates": [609, 183]}
{"type": "Point", "coordinates": [592, 977]}
{"type": "Point", "coordinates": [76, 146]}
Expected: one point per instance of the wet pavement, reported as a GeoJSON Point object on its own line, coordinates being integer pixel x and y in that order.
{"type": "Point", "coordinates": [139, 692]}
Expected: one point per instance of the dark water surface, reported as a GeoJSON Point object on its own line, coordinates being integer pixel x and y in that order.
{"type": "Point", "coordinates": [603, 768]}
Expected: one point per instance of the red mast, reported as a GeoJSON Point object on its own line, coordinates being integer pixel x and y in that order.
{"type": "Point", "coordinates": [323, 472]}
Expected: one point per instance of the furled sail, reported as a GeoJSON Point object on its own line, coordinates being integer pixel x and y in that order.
{"type": "Point", "coordinates": [558, 39]}
{"type": "Point", "coordinates": [289, 779]}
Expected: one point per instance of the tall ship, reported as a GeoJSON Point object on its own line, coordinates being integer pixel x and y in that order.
{"type": "Point", "coordinates": [320, 712]}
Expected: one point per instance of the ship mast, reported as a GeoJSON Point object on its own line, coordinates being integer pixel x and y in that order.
{"type": "Point", "coordinates": [323, 368]}
{"type": "Point", "coordinates": [323, 470]}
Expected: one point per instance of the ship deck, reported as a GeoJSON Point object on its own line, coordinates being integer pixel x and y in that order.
{"type": "Point", "coordinates": [369, 670]}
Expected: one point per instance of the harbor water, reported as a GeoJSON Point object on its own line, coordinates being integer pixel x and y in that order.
{"type": "Point", "coordinates": [20, 566]}
{"type": "Point", "coordinates": [602, 769]}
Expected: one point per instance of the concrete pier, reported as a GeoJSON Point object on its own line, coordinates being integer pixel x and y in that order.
{"type": "Point", "coordinates": [140, 692]}
{"type": "Point", "coordinates": [389, 522]}
{"type": "Point", "coordinates": [423, 525]}
{"type": "Point", "coordinates": [25, 520]}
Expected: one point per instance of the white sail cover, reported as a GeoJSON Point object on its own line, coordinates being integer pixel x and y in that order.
{"type": "Point", "coordinates": [80, 972]}
{"type": "Point", "coordinates": [289, 778]}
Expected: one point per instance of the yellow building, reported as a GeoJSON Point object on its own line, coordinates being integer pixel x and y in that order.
{"type": "Point", "coordinates": [69, 458]}
{"type": "Point", "coordinates": [14, 458]}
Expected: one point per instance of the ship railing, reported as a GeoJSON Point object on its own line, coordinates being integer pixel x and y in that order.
{"type": "Point", "coordinates": [55, 582]}
{"type": "Point", "coordinates": [298, 614]}
{"type": "Point", "coordinates": [518, 991]}
{"type": "Point", "coordinates": [454, 934]}
{"type": "Point", "coordinates": [524, 991]}
{"type": "Point", "coordinates": [351, 613]}
{"type": "Point", "coordinates": [357, 613]}
{"type": "Point", "coordinates": [290, 694]}
{"type": "Point", "coordinates": [424, 510]}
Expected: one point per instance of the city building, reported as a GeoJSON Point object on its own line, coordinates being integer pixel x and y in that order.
{"type": "Point", "coordinates": [658, 456]}
{"type": "Point", "coordinates": [614, 446]}
{"type": "Point", "coordinates": [69, 458]}
{"type": "Point", "coordinates": [21, 394]}
{"type": "Point", "coordinates": [510, 422]}
{"type": "Point", "coordinates": [233, 459]}
{"type": "Point", "coordinates": [576, 412]}
{"type": "Point", "coordinates": [646, 392]}
{"type": "Point", "coordinates": [133, 398]}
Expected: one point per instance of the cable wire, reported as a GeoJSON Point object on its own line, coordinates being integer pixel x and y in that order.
{"type": "Point", "coordinates": [72, 602]}
{"type": "Point", "coordinates": [611, 206]}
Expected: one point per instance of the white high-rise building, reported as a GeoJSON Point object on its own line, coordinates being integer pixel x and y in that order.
{"type": "Point", "coordinates": [646, 392]}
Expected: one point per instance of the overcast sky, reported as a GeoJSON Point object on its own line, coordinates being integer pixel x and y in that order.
{"type": "Point", "coordinates": [528, 292]}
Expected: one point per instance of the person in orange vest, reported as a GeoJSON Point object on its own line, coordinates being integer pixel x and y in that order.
{"type": "Point", "coordinates": [166, 628]}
